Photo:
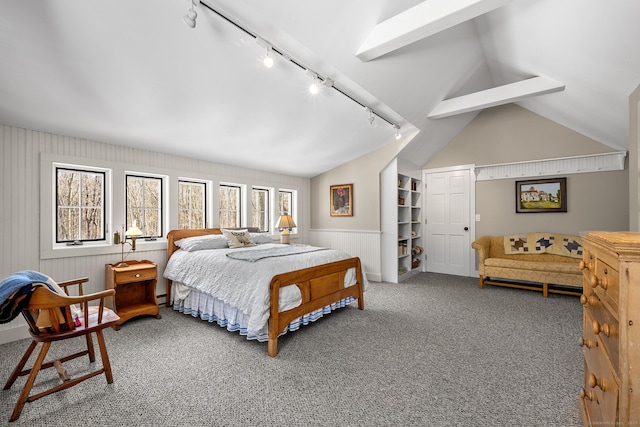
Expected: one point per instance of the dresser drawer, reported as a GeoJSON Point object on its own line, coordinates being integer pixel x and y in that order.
{"type": "Point", "coordinates": [137, 275]}
{"type": "Point", "coordinates": [606, 283]}
{"type": "Point", "coordinates": [600, 388]}
{"type": "Point", "coordinates": [600, 323]}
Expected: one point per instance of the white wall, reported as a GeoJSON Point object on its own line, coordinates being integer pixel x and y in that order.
{"type": "Point", "coordinates": [20, 222]}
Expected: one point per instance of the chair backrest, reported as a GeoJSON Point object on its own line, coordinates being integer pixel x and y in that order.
{"type": "Point", "coordinates": [51, 312]}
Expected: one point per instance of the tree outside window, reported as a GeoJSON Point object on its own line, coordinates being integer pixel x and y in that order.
{"type": "Point", "coordinates": [144, 204]}
{"type": "Point", "coordinates": [191, 205]}
{"type": "Point", "coordinates": [79, 205]}
{"type": "Point", "coordinates": [260, 208]}
{"type": "Point", "coordinates": [229, 206]}
{"type": "Point", "coordinates": [285, 203]}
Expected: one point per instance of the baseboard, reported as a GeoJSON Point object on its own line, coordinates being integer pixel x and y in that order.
{"type": "Point", "coordinates": [373, 277]}
{"type": "Point", "coordinates": [15, 333]}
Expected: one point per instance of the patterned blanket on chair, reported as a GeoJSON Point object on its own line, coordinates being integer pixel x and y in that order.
{"type": "Point", "coordinates": [543, 243]}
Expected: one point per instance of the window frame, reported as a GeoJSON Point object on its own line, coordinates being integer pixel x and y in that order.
{"type": "Point", "coordinates": [293, 208]}
{"type": "Point", "coordinates": [161, 203]}
{"type": "Point", "coordinates": [267, 223]}
{"type": "Point", "coordinates": [239, 200]}
{"type": "Point", "coordinates": [205, 201]}
{"type": "Point", "coordinates": [49, 203]}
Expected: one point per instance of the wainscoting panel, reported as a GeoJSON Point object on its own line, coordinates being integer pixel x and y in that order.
{"type": "Point", "coordinates": [363, 244]}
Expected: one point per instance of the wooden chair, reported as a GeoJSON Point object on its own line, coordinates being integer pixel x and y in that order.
{"type": "Point", "coordinates": [60, 323]}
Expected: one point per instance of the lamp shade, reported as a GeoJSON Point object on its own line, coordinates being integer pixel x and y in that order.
{"type": "Point", "coordinates": [285, 221]}
{"type": "Point", "coordinates": [133, 231]}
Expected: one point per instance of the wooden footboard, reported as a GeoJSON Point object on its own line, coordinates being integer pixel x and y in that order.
{"type": "Point", "coordinates": [319, 286]}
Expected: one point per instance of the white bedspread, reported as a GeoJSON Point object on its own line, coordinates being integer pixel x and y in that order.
{"type": "Point", "coordinates": [245, 285]}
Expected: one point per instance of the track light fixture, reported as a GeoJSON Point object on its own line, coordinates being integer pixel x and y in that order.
{"type": "Point", "coordinates": [371, 118]}
{"type": "Point", "coordinates": [398, 134]}
{"type": "Point", "coordinates": [318, 80]}
{"type": "Point", "coordinates": [267, 60]}
{"type": "Point", "coordinates": [190, 17]}
{"type": "Point", "coordinates": [314, 87]}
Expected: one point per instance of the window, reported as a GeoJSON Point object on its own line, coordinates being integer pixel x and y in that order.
{"type": "Point", "coordinates": [260, 208]}
{"type": "Point", "coordinates": [229, 206]}
{"type": "Point", "coordinates": [285, 200]}
{"type": "Point", "coordinates": [80, 205]}
{"type": "Point", "coordinates": [192, 202]}
{"type": "Point", "coordinates": [144, 204]}
{"type": "Point", "coordinates": [286, 204]}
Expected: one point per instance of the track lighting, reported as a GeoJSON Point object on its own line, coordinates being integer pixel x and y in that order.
{"type": "Point", "coordinates": [318, 81]}
{"type": "Point", "coordinates": [267, 60]}
{"type": "Point", "coordinates": [314, 87]}
{"type": "Point", "coordinates": [371, 118]}
{"type": "Point", "coordinates": [190, 17]}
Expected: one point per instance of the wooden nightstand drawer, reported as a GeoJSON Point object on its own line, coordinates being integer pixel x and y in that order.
{"type": "Point", "coordinates": [148, 272]}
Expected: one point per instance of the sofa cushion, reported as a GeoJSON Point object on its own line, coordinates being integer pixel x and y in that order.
{"type": "Point", "coordinates": [518, 264]}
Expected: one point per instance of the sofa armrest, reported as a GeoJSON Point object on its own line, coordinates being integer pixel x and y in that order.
{"type": "Point", "coordinates": [483, 246]}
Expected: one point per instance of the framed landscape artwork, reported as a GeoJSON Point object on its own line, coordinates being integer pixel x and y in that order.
{"type": "Point", "coordinates": [541, 195]}
{"type": "Point", "coordinates": [341, 200]}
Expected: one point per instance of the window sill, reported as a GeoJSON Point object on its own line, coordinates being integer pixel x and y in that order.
{"type": "Point", "coordinates": [93, 250]}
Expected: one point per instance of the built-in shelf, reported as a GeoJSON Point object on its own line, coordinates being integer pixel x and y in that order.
{"type": "Point", "coordinates": [401, 216]}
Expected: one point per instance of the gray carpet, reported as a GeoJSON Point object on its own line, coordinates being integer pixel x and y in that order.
{"type": "Point", "coordinates": [432, 351]}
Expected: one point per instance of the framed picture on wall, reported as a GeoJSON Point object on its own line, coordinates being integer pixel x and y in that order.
{"type": "Point", "coordinates": [541, 195]}
{"type": "Point", "coordinates": [341, 200]}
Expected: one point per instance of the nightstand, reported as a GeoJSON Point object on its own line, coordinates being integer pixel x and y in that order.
{"type": "Point", "coordinates": [135, 287]}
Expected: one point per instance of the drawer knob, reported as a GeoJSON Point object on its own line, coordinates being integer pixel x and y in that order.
{"type": "Point", "coordinates": [137, 275]}
{"type": "Point", "coordinates": [589, 300]}
{"type": "Point", "coordinates": [597, 382]}
{"type": "Point", "coordinates": [586, 266]}
{"type": "Point", "coordinates": [591, 395]}
{"type": "Point", "coordinates": [586, 342]}
{"type": "Point", "coordinates": [605, 328]}
{"type": "Point", "coordinates": [595, 281]}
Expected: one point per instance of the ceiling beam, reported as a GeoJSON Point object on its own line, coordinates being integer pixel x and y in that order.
{"type": "Point", "coordinates": [500, 95]}
{"type": "Point", "coordinates": [420, 21]}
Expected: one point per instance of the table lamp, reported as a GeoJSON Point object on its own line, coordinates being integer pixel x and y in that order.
{"type": "Point", "coordinates": [285, 224]}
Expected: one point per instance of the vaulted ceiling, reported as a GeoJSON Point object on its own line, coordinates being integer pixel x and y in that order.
{"type": "Point", "coordinates": [130, 72]}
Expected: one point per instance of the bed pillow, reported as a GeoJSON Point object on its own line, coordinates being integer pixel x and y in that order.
{"type": "Point", "coordinates": [198, 243]}
{"type": "Point", "coordinates": [238, 238]}
{"type": "Point", "coordinates": [260, 238]}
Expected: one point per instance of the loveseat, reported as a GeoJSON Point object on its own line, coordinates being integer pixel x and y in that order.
{"type": "Point", "coordinates": [547, 262]}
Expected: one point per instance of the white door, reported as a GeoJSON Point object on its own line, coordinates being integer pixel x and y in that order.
{"type": "Point", "coordinates": [447, 229]}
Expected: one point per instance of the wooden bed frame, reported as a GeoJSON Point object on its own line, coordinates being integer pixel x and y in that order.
{"type": "Point", "coordinates": [320, 286]}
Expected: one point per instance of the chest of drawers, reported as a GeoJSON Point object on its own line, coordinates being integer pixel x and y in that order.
{"type": "Point", "coordinates": [611, 339]}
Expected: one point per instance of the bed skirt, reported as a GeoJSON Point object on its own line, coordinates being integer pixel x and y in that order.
{"type": "Point", "coordinates": [211, 309]}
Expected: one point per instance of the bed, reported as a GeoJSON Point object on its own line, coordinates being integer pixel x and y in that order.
{"type": "Point", "coordinates": [261, 290]}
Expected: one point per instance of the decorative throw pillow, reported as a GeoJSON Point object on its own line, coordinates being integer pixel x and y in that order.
{"type": "Point", "coordinates": [260, 238]}
{"type": "Point", "coordinates": [198, 243]}
{"type": "Point", "coordinates": [238, 238]}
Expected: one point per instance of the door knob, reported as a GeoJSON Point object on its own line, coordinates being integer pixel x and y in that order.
{"type": "Point", "coordinates": [466, 229]}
